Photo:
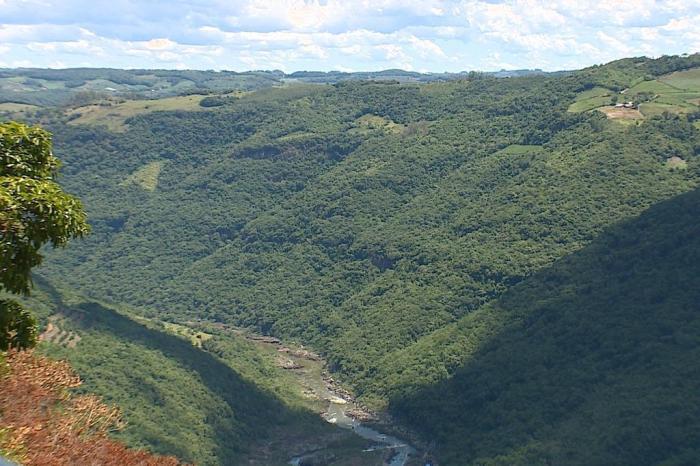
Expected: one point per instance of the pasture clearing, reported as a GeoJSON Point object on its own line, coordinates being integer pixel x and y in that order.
{"type": "Point", "coordinates": [615, 113]}
{"type": "Point", "coordinates": [113, 115]}
{"type": "Point", "coordinates": [677, 93]}
{"type": "Point", "coordinates": [146, 176]}
{"type": "Point", "coordinates": [13, 107]}
{"type": "Point", "coordinates": [685, 80]}
{"type": "Point", "coordinates": [676, 163]}
{"type": "Point", "coordinates": [369, 122]}
{"type": "Point", "coordinates": [657, 108]}
{"type": "Point", "coordinates": [591, 99]}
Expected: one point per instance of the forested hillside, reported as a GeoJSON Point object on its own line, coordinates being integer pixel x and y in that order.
{"type": "Point", "coordinates": [206, 397]}
{"type": "Point", "coordinates": [495, 261]}
{"type": "Point", "coordinates": [593, 360]}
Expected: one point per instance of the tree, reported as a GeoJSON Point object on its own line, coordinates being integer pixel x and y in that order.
{"type": "Point", "coordinates": [34, 211]}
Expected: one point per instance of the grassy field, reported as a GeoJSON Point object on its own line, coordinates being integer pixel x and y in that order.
{"type": "Point", "coordinates": [687, 80]}
{"type": "Point", "coordinates": [15, 107]}
{"type": "Point", "coordinates": [370, 122]}
{"type": "Point", "coordinates": [517, 149]}
{"type": "Point", "coordinates": [146, 176]}
{"type": "Point", "coordinates": [20, 83]}
{"type": "Point", "coordinates": [676, 163]}
{"type": "Point", "coordinates": [657, 108]}
{"type": "Point", "coordinates": [12, 110]}
{"type": "Point", "coordinates": [655, 87]}
{"type": "Point", "coordinates": [591, 99]}
{"type": "Point", "coordinates": [114, 115]}
{"type": "Point", "coordinates": [194, 336]}
{"type": "Point", "coordinates": [674, 93]}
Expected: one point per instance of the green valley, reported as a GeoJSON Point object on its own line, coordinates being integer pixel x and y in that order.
{"type": "Point", "coordinates": [211, 397]}
{"type": "Point", "coordinates": [507, 272]}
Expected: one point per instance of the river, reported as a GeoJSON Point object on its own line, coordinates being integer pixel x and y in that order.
{"type": "Point", "coordinates": [337, 412]}
{"type": "Point", "coordinates": [338, 407]}
{"type": "Point", "coordinates": [341, 409]}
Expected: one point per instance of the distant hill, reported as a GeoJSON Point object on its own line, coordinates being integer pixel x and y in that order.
{"type": "Point", "coordinates": [52, 87]}
{"type": "Point", "coordinates": [60, 87]}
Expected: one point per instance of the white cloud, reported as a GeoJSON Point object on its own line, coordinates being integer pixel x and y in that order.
{"type": "Point", "coordinates": [75, 47]}
{"type": "Point", "coordinates": [159, 44]}
{"type": "Point", "coordinates": [357, 34]}
{"type": "Point", "coordinates": [426, 48]}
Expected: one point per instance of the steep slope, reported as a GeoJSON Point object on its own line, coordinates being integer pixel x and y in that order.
{"type": "Point", "coordinates": [178, 398]}
{"type": "Point", "coordinates": [220, 195]}
{"type": "Point", "coordinates": [591, 361]}
{"type": "Point", "coordinates": [285, 211]}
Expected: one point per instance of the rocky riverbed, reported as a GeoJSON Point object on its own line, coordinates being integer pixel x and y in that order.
{"type": "Point", "coordinates": [341, 407]}
{"type": "Point", "coordinates": [336, 405]}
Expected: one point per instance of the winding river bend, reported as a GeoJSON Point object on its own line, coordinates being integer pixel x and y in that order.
{"type": "Point", "coordinates": [340, 408]}
{"type": "Point", "coordinates": [337, 413]}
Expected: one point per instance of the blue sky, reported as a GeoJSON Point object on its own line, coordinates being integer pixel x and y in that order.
{"type": "Point", "coordinates": [348, 35]}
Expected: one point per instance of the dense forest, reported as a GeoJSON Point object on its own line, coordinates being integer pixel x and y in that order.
{"type": "Point", "coordinates": [589, 361]}
{"type": "Point", "coordinates": [512, 278]}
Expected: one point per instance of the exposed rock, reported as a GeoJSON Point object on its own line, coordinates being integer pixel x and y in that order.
{"type": "Point", "coordinates": [265, 339]}
{"type": "Point", "coordinates": [318, 459]}
{"type": "Point", "coordinates": [361, 415]}
{"type": "Point", "coordinates": [300, 353]}
{"type": "Point", "coordinates": [338, 400]}
{"type": "Point", "coordinates": [286, 363]}
{"type": "Point", "coordinates": [333, 386]}
{"type": "Point", "coordinates": [305, 354]}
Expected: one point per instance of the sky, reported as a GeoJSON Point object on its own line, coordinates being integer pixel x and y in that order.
{"type": "Point", "coordinates": [345, 35]}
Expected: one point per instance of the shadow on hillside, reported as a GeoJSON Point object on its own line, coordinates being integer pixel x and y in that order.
{"type": "Point", "coordinates": [600, 363]}
{"type": "Point", "coordinates": [255, 412]}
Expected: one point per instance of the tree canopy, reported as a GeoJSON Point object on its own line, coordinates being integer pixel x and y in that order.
{"type": "Point", "coordinates": [34, 211]}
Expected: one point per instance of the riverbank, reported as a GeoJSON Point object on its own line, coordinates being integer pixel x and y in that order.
{"type": "Point", "coordinates": [342, 408]}
{"type": "Point", "coordinates": [384, 445]}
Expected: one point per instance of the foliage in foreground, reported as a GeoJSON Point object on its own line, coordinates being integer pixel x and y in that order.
{"type": "Point", "coordinates": [43, 422]}
{"type": "Point", "coordinates": [34, 211]}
